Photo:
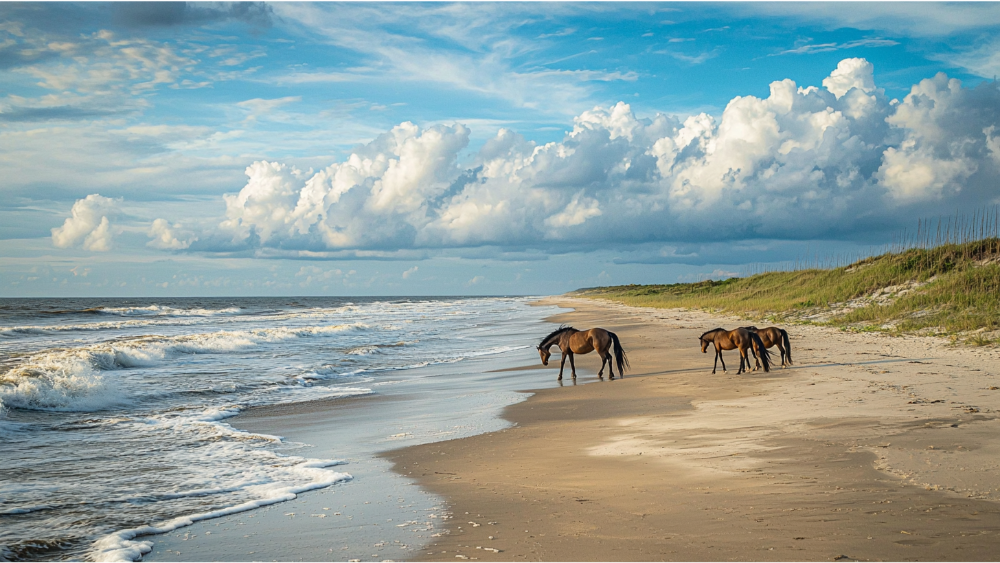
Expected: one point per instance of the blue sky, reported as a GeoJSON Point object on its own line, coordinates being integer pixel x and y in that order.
{"type": "Point", "coordinates": [477, 148]}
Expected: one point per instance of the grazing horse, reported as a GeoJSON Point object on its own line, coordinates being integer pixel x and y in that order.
{"type": "Point", "coordinates": [740, 339]}
{"type": "Point", "coordinates": [774, 336]}
{"type": "Point", "coordinates": [572, 341]}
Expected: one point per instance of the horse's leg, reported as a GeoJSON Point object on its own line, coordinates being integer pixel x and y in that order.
{"type": "Point", "coordinates": [743, 357]}
{"type": "Point", "coordinates": [604, 360]}
{"type": "Point", "coordinates": [611, 364]}
{"type": "Point", "coordinates": [572, 366]}
{"type": "Point", "coordinates": [781, 347]}
{"type": "Point", "coordinates": [755, 358]}
{"type": "Point", "coordinates": [721, 359]}
{"type": "Point", "coordinates": [561, 364]}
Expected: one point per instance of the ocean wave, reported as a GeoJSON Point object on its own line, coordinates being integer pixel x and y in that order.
{"type": "Point", "coordinates": [493, 351]}
{"type": "Point", "coordinates": [34, 330]}
{"type": "Point", "coordinates": [163, 310]}
{"type": "Point", "coordinates": [59, 386]}
{"type": "Point", "coordinates": [123, 545]}
{"type": "Point", "coordinates": [157, 310]}
{"type": "Point", "coordinates": [24, 510]}
{"type": "Point", "coordinates": [276, 478]}
{"type": "Point", "coordinates": [332, 372]}
{"type": "Point", "coordinates": [362, 351]}
{"type": "Point", "coordinates": [75, 379]}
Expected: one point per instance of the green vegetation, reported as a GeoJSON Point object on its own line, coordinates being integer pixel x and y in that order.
{"type": "Point", "coordinates": [950, 288]}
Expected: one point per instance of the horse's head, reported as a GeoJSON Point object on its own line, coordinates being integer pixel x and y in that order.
{"type": "Point", "coordinates": [545, 354]}
{"type": "Point", "coordinates": [708, 337]}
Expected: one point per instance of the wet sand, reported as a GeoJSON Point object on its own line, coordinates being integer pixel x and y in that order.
{"type": "Point", "coordinates": [869, 448]}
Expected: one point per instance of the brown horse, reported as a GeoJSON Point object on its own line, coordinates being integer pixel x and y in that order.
{"type": "Point", "coordinates": [773, 336]}
{"type": "Point", "coordinates": [572, 341]}
{"type": "Point", "coordinates": [740, 339]}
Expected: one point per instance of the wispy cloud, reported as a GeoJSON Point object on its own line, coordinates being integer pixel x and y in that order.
{"type": "Point", "coordinates": [920, 19]}
{"type": "Point", "coordinates": [827, 47]}
{"type": "Point", "coordinates": [982, 60]}
{"type": "Point", "coordinates": [259, 107]}
{"type": "Point", "coordinates": [560, 33]}
{"type": "Point", "coordinates": [690, 59]}
{"type": "Point", "coordinates": [481, 56]}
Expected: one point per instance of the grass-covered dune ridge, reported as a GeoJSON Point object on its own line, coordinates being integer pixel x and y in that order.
{"type": "Point", "coordinates": [950, 288]}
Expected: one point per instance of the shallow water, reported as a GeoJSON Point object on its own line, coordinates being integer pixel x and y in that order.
{"type": "Point", "coordinates": [114, 411]}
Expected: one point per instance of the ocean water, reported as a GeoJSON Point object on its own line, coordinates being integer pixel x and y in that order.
{"type": "Point", "coordinates": [113, 412]}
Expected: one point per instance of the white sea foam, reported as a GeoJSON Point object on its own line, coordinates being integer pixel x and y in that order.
{"type": "Point", "coordinates": [77, 380]}
{"type": "Point", "coordinates": [160, 310]}
{"type": "Point", "coordinates": [66, 384]}
{"type": "Point", "coordinates": [362, 351]}
{"type": "Point", "coordinates": [276, 478]}
{"type": "Point", "coordinates": [32, 330]}
{"type": "Point", "coordinates": [123, 545]}
{"type": "Point", "coordinates": [25, 510]}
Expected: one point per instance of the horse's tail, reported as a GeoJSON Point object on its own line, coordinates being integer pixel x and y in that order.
{"type": "Point", "coordinates": [765, 356]}
{"type": "Point", "coordinates": [788, 345]}
{"type": "Point", "coordinates": [620, 356]}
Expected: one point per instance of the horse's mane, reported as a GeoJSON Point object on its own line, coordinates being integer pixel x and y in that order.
{"type": "Point", "coordinates": [711, 331]}
{"type": "Point", "coordinates": [554, 333]}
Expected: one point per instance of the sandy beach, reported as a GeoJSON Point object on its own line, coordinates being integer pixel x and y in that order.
{"type": "Point", "coordinates": [870, 447]}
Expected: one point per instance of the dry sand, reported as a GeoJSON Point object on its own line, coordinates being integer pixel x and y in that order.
{"type": "Point", "coordinates": [870, 447]}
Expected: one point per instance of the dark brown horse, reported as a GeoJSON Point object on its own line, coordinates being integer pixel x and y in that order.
{"type": "Point", "coordinates": [773, 336]}
{"type": "Point", "coordinates": [572, 341]}
{"type": "Point", "coordinates": [740, 339]}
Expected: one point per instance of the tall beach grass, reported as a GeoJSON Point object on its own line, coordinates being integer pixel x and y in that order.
{"type": "Point", "coordinates": [944, 277]}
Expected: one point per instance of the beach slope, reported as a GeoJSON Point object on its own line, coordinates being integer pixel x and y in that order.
{"type": "Point", "coordinates": [869, 447]}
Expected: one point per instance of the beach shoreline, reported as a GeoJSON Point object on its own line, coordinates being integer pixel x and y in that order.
{"type": "Point", "coordinates": [869, 447]}
{"type": "Point", "coordinates": [376, 514]}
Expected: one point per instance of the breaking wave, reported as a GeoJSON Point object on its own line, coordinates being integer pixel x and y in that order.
{"type": "Point", "coordinates": [78, 379]}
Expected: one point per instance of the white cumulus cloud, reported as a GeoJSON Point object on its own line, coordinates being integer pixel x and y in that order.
{"type": "Point", "coordinates": [941, 146]}
{"type": "Point", "coordinates": [168, 237]}
{"type": "Point", "coordinates": [88, 223]}
{"type": "Point", "coordinates": [803, 162]}
{"type": "Point", "coordinates": [850, 73]}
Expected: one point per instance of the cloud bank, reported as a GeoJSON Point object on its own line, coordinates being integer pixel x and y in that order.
{"type": "Point", "coordinates": [802, 163]}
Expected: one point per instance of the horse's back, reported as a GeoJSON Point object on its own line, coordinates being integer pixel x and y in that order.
{"type": "Point", "coordinates": [588, 340]}
{"type": "Point", "coordinates": [770, 335]}
{"type": "Point", "coordinates": [740, 337]}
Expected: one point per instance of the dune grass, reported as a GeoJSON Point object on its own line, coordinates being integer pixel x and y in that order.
{"type": "Point", "coordinates": [950, 288]}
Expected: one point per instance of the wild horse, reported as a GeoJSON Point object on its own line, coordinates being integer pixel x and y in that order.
{"type": "Point", "coordinates": [740, 339]}
{"type": "Point", "coordinates": [572, 341]}
{"type": "Point", "coordinates": [774, 336]}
